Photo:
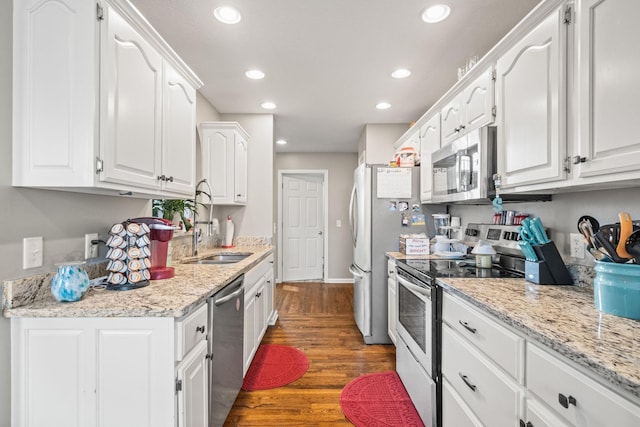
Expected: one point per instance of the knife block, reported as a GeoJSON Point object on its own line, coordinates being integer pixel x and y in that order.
{"type": "Point", "coordinates": [549, 269]}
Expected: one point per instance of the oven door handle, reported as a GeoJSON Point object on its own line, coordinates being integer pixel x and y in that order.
{"type": "Point", "coordinates": [414, 288]}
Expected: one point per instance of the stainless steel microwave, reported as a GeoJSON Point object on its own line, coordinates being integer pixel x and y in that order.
{"type": "Point", "coordinates": [463, 170]}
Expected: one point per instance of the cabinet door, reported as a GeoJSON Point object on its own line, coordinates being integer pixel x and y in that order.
{"type": "Point", "coordinates": [269, 295]}
{"type": "Point", "coordinates": [193, 388]}
{"type": "Point", "coordinates": [178, 133]}
{"type": "Point", "coordinates": [608, 91]}
{"type": "Point", "coordinates": [478, 102]}
{"type": "Point", "coordinates": [55, 64]}
{"type": "Point", "coordinates": [429, 142]}
{"type": "Point", "coordinates": [249, 347]}
{"type": "Point", "coordinates": [240, 169]}
{"type": "Point", "coordinates": [131, 91]}
{"type": "Point", "coordinates": [531, 113]}
{"type": "Point", "coordinates": [217, 162]}
{"type": "Point", "coordinates": [451, 120]}
{"type": "Point", "coordinates": [539, 416]}
{"type": "Point", "coordinates": [53, 373]}
{"type": "Point", "coordinates": [260, 325]}
{"type": "Point", "coordinates": [392, 309]}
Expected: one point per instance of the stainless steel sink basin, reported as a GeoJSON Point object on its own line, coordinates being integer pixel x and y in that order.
{"type": "Point", "coordinates": [224, 258]}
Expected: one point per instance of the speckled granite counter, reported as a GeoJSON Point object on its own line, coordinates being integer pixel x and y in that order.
{"type": "Point", "coordinates": [564, 319]}
{"type": "Point", "coordinates": [173, 297]}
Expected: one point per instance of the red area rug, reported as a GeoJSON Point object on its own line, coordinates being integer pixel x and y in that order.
{"type": "Point", "coordinates": [376, 400]}
{"type": "Point", "coordinates": [274, 366]}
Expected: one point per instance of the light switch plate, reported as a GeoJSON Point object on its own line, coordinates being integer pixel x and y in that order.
{"type": "Point", "coordinates": [32, 252]}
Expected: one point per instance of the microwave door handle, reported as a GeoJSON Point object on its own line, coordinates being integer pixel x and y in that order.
{"type": "Point", "coordinates": [458, 173]}
{"type": "Point", "coordinates": [464, 172]}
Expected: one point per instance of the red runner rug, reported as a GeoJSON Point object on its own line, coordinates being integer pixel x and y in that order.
{"type": "Point", "coordinates": [376, 400]}
{"type": "Point", "coordinates": [274, 366]}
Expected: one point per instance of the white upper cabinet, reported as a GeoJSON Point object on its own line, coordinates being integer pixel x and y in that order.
{"type": "Point", "coordinates": [429, 142]}
{"type": "Point", "coordinates": [131, 120]}
{"type": "Point", "coordinates": [609, 57]}
{"type": "Point", "coordinates": [97, 102]}
{"type": "Point", "coordinates": [224, 151]}
{"type": "Point", "coordinates": [179, 130]}
{"type": "Point", "coordinates": [451, 119]}
{"type": "Point", "coordinates": [531, 110]}
{"type": "Point", "coordinates": [470, 109]}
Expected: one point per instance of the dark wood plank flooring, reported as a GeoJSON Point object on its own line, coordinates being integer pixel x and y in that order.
{"type": "Point", "coordinates": [317, 318]}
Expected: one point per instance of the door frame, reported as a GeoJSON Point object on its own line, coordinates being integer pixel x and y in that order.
{"type": "Point", "coordinates": [324, 173]}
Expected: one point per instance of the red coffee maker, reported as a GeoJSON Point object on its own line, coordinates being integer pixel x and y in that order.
{"type": "Point", "coordinates": [161, 234]}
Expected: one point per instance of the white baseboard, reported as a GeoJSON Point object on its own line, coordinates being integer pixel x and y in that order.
{"type": "Point", "coordinates": [349, 280]}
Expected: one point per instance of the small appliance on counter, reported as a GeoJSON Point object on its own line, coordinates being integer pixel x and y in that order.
{"type": "Point", "coordinates": [161, 233]}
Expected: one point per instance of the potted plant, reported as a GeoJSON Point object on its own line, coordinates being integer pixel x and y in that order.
{"type": "Point", "coordinates": [170, 207]}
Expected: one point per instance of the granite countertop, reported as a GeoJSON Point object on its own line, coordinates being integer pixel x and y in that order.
{"type": "Point", "coordinates": [175, 297]}
{"type": "Point", "coordinates": [563, 318]}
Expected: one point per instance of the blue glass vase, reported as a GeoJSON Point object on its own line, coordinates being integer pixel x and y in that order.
{"type": "Point", "coordinates": [70, 281]}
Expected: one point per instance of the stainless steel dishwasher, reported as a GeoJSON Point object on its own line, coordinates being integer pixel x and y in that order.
{"type": "Point", "coordinates": [226, 326]}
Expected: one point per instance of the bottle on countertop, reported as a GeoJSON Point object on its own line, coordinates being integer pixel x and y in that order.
{"type": "Point", "coordinates": [228, 240]}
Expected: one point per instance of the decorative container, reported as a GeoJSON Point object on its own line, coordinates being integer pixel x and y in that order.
{"type": "Point", "coordinates": [616, 289]}
{"type": "Point", "coordinates": [70, 282]}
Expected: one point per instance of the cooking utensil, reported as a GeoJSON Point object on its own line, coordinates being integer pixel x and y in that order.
{"type": "Point", "coordinates": [585, 228]}
{"type": "Point", "coordinates": [610, 248]}
{"type": "Point", "coordinates": [632, 246]}
{"type": "Point", "coordinates": [626, 228]}
{"type": "Point", "coordinates": [595, 225]}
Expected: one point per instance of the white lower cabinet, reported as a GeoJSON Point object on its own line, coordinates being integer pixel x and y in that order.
{"type": "Point", "coordinates": [392, 301]}
{"type": "Point", "coordinates": [480, 387]}
{"type": "Point", "coordinates": [455, 412]}
{"type": "Point", "coordinates": [573, 395]}
{"type": "Point", "coordinates": [258, 307]}
{"type": "Point", "coordinates": [192, 386]}
{"type": "Point", "coordinates": [495, 398]}
{"type": "Point", "coordinates": [84, 372]}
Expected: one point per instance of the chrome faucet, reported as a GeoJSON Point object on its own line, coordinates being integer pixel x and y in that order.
{"type": "Point", "coordinates": [196, 231]}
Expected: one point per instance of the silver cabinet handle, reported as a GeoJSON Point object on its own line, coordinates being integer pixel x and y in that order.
{"type": "Point", "coordinates": [466, 381]}
{"type": "Point", "coordinates": [467, 327]}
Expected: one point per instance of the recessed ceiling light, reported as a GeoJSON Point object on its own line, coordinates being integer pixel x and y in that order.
{"type": "Point", "coordinates": [436, 13]}
{"type": "Point", "coordinates": [254, 74]}
{"type": "Point", "coordinates": [383, 106]}
{"type": "Point", "coordinates": [227, 15]}
{"type": "Point", "coordinates": [268, 105]}
{"type": "Point", "coordinates": [281, 142]}
{"type": "Point", "coordinates": [401, 73]}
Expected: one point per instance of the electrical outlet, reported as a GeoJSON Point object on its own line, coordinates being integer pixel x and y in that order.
{"type": "Point", "coordinates": [577, 244]}
{"type": "Point", "coordinates": [90, 249]}
{"type": "Point", "coordinates": [32, 252]}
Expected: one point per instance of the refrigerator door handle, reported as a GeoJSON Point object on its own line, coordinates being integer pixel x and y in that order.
{"type": "Point", "coordinates": [353, 220]}
{"type": "Point", "coordinates": [353, 270]}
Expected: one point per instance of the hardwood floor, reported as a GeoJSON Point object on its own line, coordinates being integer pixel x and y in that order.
{"type": "Point", "coordinates": [317, 318]}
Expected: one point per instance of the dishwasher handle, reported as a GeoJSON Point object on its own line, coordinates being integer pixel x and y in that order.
{"type": "Point", "coordinates": [227, 298]}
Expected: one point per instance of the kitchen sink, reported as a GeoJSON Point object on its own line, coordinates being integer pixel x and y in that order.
{"type": "Point", "coordinates": [224, 258]}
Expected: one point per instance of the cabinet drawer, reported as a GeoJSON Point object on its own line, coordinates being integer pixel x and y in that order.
{"type": "Point", "coordinates": [456, 413]}
{"type": "Point", "coordinates": [504, 347]}
{"type": "Point", "coordinates": [253, 275]}
{"type": "Point", "coordinates": [420, 387]}
{"type": "Point", "coordinates": [492, 395]}
{"type": "Point", "coordinates": [190, 330]}
{"type": "Point", "coordinates": [588, 404]}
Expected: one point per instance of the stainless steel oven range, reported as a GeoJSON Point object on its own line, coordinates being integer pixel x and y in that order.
{"type": "Point", "coordinates": [417, 351]}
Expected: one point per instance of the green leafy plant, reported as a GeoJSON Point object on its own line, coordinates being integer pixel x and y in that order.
{"type": "Point", "coordinates": [169, 207]}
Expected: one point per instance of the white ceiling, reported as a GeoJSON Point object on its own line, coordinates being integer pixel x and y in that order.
{"type": "Point", "coordinates": [328, 62]}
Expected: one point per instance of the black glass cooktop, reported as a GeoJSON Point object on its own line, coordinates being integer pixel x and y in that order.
{"type": "Point", "coordinates": [460, 268]}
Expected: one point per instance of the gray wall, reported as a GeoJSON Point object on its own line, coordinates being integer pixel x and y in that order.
{"type": "Point", "coordinates": [562, 213]}
{"type": "Point", "coordinates": [340, 167]}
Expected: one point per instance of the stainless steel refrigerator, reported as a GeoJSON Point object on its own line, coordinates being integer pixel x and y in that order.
{"type": "Point", "coordinates": [385, 203]}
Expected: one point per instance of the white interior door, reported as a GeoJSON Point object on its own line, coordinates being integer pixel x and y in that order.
{"type": "Point", "coordinates": [303, 227]}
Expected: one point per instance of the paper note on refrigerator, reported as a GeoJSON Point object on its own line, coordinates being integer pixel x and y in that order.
{"type": "Point", "coordinates": [394, 183]}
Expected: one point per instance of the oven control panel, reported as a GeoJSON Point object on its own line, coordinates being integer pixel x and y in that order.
{"type": "Point", "coordinates": [504, 238]}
